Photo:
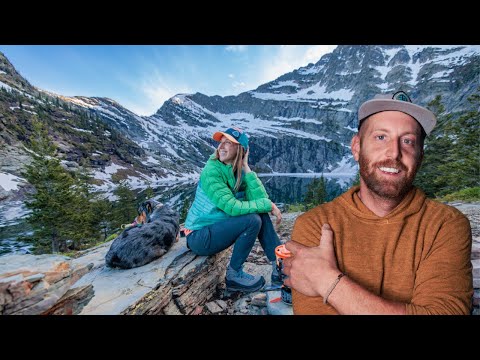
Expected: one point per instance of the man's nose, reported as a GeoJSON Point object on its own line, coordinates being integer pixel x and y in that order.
{"type": "Point", "coordinates": [393, 150]}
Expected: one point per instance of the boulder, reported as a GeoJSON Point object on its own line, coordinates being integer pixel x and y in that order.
{"type": "Point", "coordinates": [33, 284]}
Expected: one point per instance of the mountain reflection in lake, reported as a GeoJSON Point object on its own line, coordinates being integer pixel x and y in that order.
{"type": "Point", "coordinates": [292, 190]}
{"type": "Point", "coordinates": [281, 189]}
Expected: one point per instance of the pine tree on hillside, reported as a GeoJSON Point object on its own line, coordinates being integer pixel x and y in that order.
{"type": "Point", "coordinates": [125, 208]}
{"type": "Point", "coordinates": [53, 197]}
{"type": "Point", "coordinates": [451, 161]}
{"type": "Point", "coordinates": [147, 194]}
{"type": "Point", "coordinates": [187, 203]}
{"type": "Point", "coordinates": [436, 145]}
{"type": "Point", "coordinates": [461, 165]}
{"type": "Point", "coordinates": [316, 193]}
{"type": "Point", "coordinates": [84, 224]}
{"type": "Point", "coordinates": [321, 193]}
{"type": "Point", "coordinates": [104, 215]}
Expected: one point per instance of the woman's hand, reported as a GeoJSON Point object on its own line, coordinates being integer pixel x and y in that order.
{"type": "Point", "coordinates": [276, 212]}
{"type": "Point", "coordinates": [246, 168]}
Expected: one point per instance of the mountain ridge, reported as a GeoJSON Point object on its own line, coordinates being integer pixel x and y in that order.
{"type": "Point", "coordinates": [300, 122]}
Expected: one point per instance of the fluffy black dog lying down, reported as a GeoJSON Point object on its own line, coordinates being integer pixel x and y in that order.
{"type": "Point", "coordinates": [138, 246]}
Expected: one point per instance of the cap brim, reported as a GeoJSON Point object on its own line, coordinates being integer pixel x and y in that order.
{"type": "Point", "coordinates": [218, 137]}
{"type": "Point", "coordinates": [424, 116]}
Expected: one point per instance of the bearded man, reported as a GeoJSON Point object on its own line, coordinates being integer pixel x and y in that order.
{"type": "Point", "coordinates": [383, 247]}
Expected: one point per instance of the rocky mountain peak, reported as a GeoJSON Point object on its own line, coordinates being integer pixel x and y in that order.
{"type": "Point", "coordinates": [11, 77]}
{"type": "Point", "coordinates": [300, 122]}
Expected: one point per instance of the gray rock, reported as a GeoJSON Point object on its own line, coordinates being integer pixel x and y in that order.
{"type": "Point", "coordinates": [31, 285]}
{"type": "Point", "coordinates": [259, 300]}
{"type": "Point", "coordinates": [176, 283]}
{"type": "Point", "coordinates": [222, 304]}
{"type": "Point", "coordinates": [213, 307]}
{"type": "Point", "coordinates": [476, 268]}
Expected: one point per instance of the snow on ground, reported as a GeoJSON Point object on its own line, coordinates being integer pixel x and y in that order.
{"type": "Point", "coordinates": [82, 130]}
{"type": "Point", "coordinates": [345, 166]}
{"type": "Point", "coordinates": [312, 93]}
{"type": "Point", "coordinates": [7, 87]}
{"type": "Point", "coordinates": [12, 212]}
{"type": "Point", "coordinates": [284, 83]}
{"type": "Point", "coordinates": [9, 182]}
{"type": "Point", "coordinates": [152, 160]}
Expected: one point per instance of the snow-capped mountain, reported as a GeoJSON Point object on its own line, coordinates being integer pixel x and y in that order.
{"type": "Point", "coordinates": [301, 122]}
{"type": "Point", "coordinates": [304, 120]}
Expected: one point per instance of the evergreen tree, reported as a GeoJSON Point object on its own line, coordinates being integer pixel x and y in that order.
{"type": "Point", "coordinates": [53, 195]}
{"type": "Point", "coordinates": [460, 167]}
{"type": "Point", "coordinates": [147, 194]}
{"type": "Point", "coordinates": [185, 207]}
{"type": "Point", "coordinates": [321, 191]}
{"type": "Point", "coordinates": [104, 215]}
{"type": "Point", "coordinates": [125, 208]}
{"type": "Point", "coordinates": [84, 223]}
{"type": "Point", "coordinates": [436, 144]}
{"type": "Point", "coordinates": [316, 193]}
{"type": "Point", "coordinates": [451, 151]}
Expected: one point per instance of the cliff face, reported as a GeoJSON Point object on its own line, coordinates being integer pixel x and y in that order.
{"type": "Point", "coordinates": [304, 120]}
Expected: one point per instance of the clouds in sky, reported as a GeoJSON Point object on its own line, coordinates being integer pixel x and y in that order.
{"type": "Point", "coordinates": [216, 70]}
{"type": "Point", "coordinates": [236, 48]}
{"type": "Point", "coordinates": [142, 77]}
{"type": "Point", "coordinates": [289, 58]}
{"type": "Point", "coordinates": [154, 89]}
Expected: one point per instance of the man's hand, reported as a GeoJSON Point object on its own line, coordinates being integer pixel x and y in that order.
{"type": "Point", "coordinates": [276, 212]}
{"type": "Point", "coordinates": [311, 270]}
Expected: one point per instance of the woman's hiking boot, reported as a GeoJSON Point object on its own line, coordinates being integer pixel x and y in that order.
{"type": "Point", "coordinates": [242, 281]}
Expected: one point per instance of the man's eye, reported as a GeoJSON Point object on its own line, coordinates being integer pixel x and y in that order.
{"type": "Point", "coordinates": [381, 137]}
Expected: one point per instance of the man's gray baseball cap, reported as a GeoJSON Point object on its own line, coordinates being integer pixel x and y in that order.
{"type": "Point", "coordinates": [399, 101]}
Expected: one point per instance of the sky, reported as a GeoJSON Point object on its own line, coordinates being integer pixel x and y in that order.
{"type": "Point", "coordinates": [142, 77]}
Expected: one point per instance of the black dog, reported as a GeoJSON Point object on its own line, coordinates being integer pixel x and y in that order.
{"type": "Point", "coordinates": [138, 246]}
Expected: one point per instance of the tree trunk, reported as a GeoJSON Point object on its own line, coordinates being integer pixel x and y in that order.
{"type": "Point", "coordinates": [54, 242]}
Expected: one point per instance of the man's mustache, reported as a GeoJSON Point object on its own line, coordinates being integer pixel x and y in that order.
{"type": "Point", "coordinates": [391, 164]}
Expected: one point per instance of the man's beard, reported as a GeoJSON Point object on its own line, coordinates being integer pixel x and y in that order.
{"type": "Point", "coordinates": [389, 189]}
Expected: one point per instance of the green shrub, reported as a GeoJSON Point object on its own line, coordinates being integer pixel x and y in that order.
{"type": "Point", "coordinates": [295, 208]}
{"type": "Point", "coordinates": [469, 194]}
{"type": "Point", "coordinates": [111, 237]}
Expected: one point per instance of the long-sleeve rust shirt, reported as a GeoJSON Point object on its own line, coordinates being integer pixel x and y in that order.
{"type": "Point", "coordinates": [418, 254]}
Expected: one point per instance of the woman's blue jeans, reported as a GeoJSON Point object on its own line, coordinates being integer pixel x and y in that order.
{"type": "Point", "coordinates": [243, 231]}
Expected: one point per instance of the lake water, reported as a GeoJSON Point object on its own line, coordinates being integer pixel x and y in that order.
{"type": "Point", "coordinates": [288, 189]}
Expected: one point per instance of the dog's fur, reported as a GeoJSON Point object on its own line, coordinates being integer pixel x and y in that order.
{"type": "Point", "coordinates": [138, 246]}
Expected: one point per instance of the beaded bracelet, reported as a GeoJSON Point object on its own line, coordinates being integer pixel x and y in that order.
{"type": "Point", "coordinates": [332, 287]}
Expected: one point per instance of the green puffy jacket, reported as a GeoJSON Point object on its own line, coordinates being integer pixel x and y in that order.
{"type": "Point", "coordinates": [215, 200]}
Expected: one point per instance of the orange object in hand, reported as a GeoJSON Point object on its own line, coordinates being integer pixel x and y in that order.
{"type": "Point", "coordinates": [281, 253]}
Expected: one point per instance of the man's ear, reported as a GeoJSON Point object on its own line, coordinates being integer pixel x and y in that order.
{"type": "Point", "coordinates": [355, 147]}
